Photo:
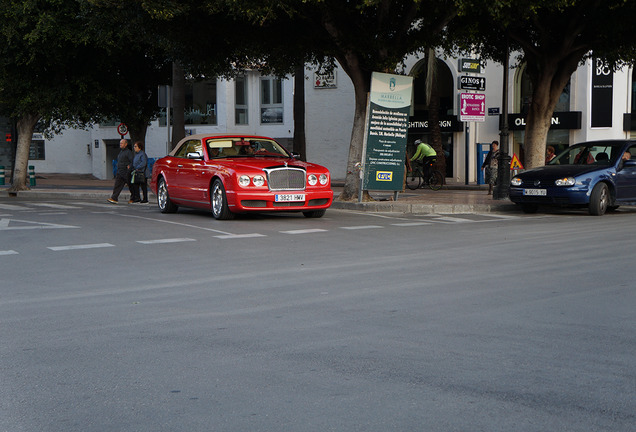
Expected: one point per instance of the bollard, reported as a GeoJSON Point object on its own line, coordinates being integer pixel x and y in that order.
{"type": "Point", "coordinates": [1, 175]}
{"type": "Point", "coordinates": [31, 175]}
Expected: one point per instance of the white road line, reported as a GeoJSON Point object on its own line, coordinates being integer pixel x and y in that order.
{"type": "Point", "coordinates": [448, 219]}
{"type": "Point", "coordinates": [361, 227]}
{"type": "Point", "coordinates": [305, 231]}
{"type": "Point", "coordinates": [8, 252]}
{"type": "Point", "coordinates": [166, 240]}
{"type": "Point", "coordinates": [174, 223]}
{"type": "Point", "coordinates": [52, 213]}
{"type": "Point", "coordinates": [96, 205]}
{"type": "Point", "coordinates": [55, 206]}
{"type": "Point", "coordinates": [84, 246]}
{"type": "Point", "coordinates": [411, 224]}
{"type": "Point", "coordinates": [4, 225]}
{"type": "Point", "coordinates": [13, 207]}
{"type": "Point", "coordinates": [239, 236]}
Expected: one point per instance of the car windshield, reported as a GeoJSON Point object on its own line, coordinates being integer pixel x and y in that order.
{"type": "Point", "coordinates": [589, 154]}
{"type": "Point", "coordinates": [244, 147]}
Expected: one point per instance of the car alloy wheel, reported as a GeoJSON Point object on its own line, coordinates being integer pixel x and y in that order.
{"type": "Point", "coordinates": [220, 209]}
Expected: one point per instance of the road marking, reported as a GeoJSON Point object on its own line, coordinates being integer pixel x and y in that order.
{"type": "Point", "coordinates": [448, 219]}
{"type": "Point", "coordinates": [4, 225]}
{"type": "Point", "coordinates": [411, 224]}
{"type": "Point", "coordinates": [110, 206]}
{"type": "Point", "coordinates": [8, 252]}
{"type": "Point", "coordinates": [305, 231]}
{"type": "Point", "coordinates": [361, 227]}
{"type": "Point", "coordinates": [167, 240]}
{"type": "Point", "coordinates": [12, 207]}
{"type": "Point", "coordinates": [239, 236]}
{"type": "Point", "coordinates": [84, 246]}
{"type": "Point", "coordinates": [55, 206]}
{"type": "Point", "coordinates": [174, 223]}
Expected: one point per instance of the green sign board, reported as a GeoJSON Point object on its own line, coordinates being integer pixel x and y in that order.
{"type": "Point", "coordinates": [387, 128]}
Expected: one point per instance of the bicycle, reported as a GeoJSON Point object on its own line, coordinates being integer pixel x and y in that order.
{"type": "Point", "coordinates": [416, 178]}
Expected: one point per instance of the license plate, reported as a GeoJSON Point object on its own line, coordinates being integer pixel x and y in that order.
{"type": "Point", "coordinates": [290, 197]}
{"type": "Point", "coordinates": [535, 192]}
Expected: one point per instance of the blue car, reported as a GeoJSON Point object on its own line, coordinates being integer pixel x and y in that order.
{"type": "Point", "coordinates": [599, 175]}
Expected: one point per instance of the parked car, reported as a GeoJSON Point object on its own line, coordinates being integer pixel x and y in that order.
{"type": "Point", "coordinates": [231, 174]}
{"type": "Point", "coordinates": [599, 175]}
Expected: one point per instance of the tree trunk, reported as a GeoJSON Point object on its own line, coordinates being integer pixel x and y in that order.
{"type": "Point", "coordinates": [362, 85]}
{"type": "Point", "coordinates": [26, 126]}
{"type": "Point", "coordinates": [300, 143]}
{"type": "Point", "coordinates": [178, 104]}
{"type": "Point", "coordinates": [549, 78]}
{"type": "Point", "coordinates": [137, 132]}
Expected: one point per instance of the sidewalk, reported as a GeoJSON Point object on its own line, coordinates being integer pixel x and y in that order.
{"type": "Point", "coordinates": [452, 198]}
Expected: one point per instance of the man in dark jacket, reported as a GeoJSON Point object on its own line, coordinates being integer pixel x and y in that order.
{"type": "Point", "coordinates": [122, 178]}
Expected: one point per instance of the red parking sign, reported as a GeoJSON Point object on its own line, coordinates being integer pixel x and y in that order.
{"type": "Point", "coordinates": [472, 107]}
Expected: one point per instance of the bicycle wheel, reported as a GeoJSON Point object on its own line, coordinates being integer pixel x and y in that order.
{"type": "Point", "coordinates": [436, 180]}
{"type": "Point", "coordinates": [413, 180]}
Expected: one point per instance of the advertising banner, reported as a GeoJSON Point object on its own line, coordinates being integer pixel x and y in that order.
{"type": "Point", "coordinates": [472, 107]}
{"type": "Point", "coordinates": [387, 128]}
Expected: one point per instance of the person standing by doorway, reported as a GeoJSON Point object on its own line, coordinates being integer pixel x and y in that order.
{"type": "Point", "coordinates": [491, 164]}
{"type": "Point", "coordinates": [122, 178]}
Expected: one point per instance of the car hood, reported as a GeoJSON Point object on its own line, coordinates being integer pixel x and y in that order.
{"type": "Point", "coordinates": [266, 162]}
{"type": "Point", "coordinates": [553, 172]}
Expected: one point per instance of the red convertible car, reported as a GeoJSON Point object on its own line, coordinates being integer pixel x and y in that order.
{"type": "Point", "coordinates": [231, 174]}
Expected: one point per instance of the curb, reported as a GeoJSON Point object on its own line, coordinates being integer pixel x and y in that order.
{"type": "Point", "coordinates": [419, 208]}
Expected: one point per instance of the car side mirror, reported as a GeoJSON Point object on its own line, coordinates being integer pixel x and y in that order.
{"type": "Point", "coordinates": [295, 155]}
{"type": "Point", "coordinates": [194, 155]}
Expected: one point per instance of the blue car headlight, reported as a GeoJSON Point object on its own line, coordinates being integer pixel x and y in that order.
{"type": "Point", "coordinates": [567, 181]}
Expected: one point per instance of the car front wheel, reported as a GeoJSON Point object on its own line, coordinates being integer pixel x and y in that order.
{"type": "Point", "coordinates": [314, 213]}
{"type": "Point", "coordinates": [220, 209]}
{"type": "Point", "coordinates": [163, 199]}
{"type": "Point", "coordinates": [599, 200]}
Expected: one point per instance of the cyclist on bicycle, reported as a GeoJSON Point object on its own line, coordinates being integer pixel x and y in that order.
{"type": "Point", "coordinates": [424, 154]}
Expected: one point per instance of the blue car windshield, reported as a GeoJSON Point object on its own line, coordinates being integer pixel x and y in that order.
{"type": "Point", "coordinates": [589, 154]}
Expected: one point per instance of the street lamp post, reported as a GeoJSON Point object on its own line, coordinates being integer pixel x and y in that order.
{"type": "Point", "coordinates": [502, 188]}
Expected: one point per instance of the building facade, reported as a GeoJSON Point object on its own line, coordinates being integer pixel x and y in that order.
{"type": "Point", "coordinates": [596, 104]}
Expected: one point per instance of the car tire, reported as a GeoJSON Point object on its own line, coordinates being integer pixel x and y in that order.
{"type": "Point", "coordinates": [218, 198]}
{"type": "Point", "coordinates": [599, 200]}
{"type": "Point", "coordinates": [163, 199]}
{"type": "Point", "coordinates": [529, 208]}
{"type": "Point", "coordinates": [314, 213]}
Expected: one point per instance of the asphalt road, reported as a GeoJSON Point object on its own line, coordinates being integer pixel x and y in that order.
{"type": "Point", "coordinates": [119, 318]}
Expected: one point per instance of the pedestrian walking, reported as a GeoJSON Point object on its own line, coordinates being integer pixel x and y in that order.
{"type": "Point", "coordinates": [140, 166]}
{"type": "Point", "coordinates": [122, 178]}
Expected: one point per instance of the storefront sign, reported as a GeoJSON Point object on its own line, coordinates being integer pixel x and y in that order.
{"type": "Point", "coordinates": [472, 107]}
{"type": "Point", "coordinates": [472, 83]}
{"type": "Point", "coordinates": [446, 124]}
{"type": "Point", "coordinates": [387, 128]}
{"type": "Point", "coordinates": [469, 65]}
{"type": "Point", "coordinates": [602, 92]}
{"type": "Point", "coordinates": [560, 120]}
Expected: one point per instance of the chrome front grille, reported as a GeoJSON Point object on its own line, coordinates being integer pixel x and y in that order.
{"type": "Point", "coordinates": [285, 178]}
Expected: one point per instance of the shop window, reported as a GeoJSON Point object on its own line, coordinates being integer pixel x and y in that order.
{"type": "Point", "coordinates": [240, 101]}
{"type": "Point", "coordinates": [271, 100]}
{"type": "Point", "coordinates": [200, 103]}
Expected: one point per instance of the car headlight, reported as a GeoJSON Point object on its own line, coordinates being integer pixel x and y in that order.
{"type": "Point", "coordinates": [312, 180]}
{"type": "Point", "coordinates": [324, 179]}
{"type": "Point", "coordinates": [258, 180]}
{"type": "Point", "coordinates": [244, 180]}
{"type": "Point", "coordinates": [516, 181]}
{"type": "Point", "coordinates": [567, 181]}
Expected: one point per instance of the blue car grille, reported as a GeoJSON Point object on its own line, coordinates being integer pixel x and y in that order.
{"type": "Point", "coordinates": [285, 179]}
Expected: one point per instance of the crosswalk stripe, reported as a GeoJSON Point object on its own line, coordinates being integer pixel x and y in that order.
{"type": "Point", "coordinates": [239, 236]}
{"type": "Point", "coordinates": [8, 252]}
{"type": "Point", "coordinates": [84, 246]}
{"type": "Point", "coordinates": [361, 227]}
{"type": "Point", "coordinates": [54, 206]}
{"type": "Point", "coordinates": [166, 240]}
{"type": "Point", "coordinates": [411, 224]}
{"type": "Point", "coordinates": [305, 231]}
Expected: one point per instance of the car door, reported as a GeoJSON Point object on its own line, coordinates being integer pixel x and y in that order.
{"type": "Point", "coordinates": [191, 173]}
{"type": "Point", "coordinates": [626, 177]}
